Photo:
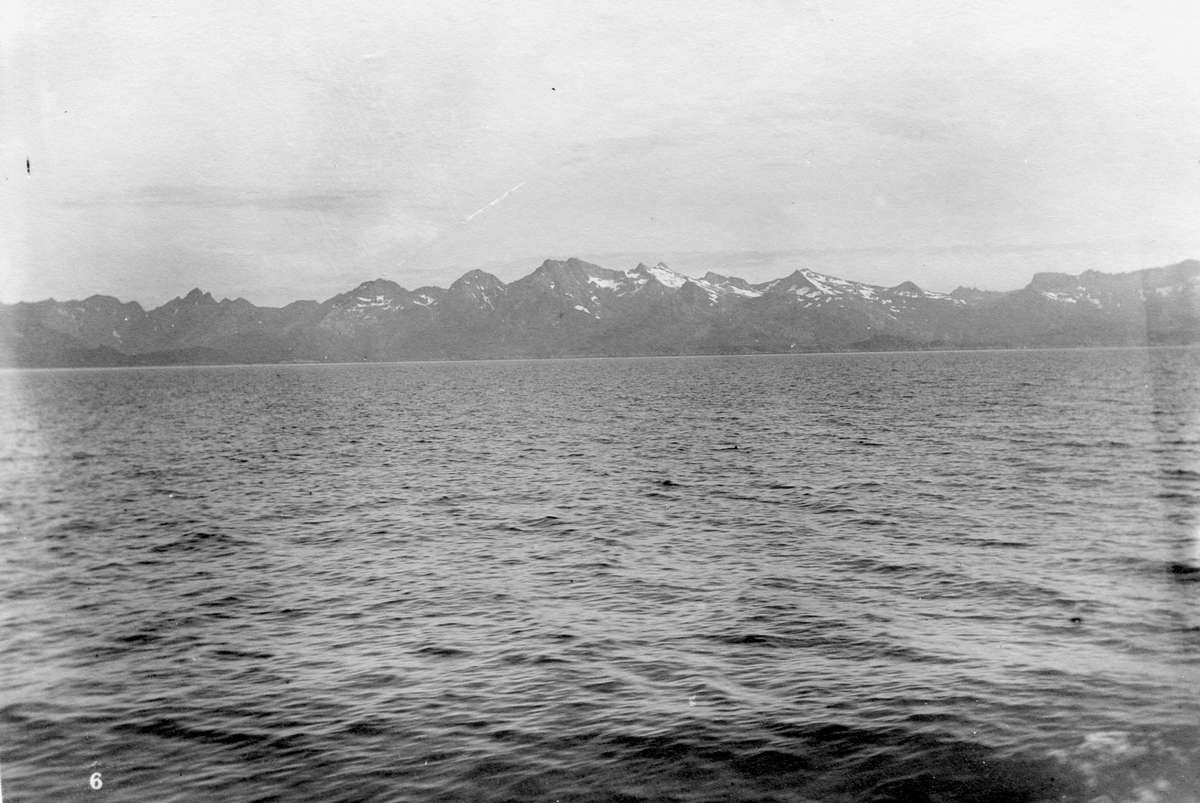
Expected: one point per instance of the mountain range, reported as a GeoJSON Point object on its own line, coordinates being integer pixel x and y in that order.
{"type": "Point", "coordinates": [573, 308]}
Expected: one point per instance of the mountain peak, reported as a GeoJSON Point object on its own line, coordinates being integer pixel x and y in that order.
{"type": "Point", "coordinates": [1050, 280]}
{"type": "Point", "coordinates": [477, 278]}
{"type": "Point", "coordinates": [380, 285]}
{"type": "Point", "coordinates": [798, 278]}
{"type": "Point", "coordinates": [571, 263]}
{"type": "Point", "coordinates": [572, 308]}
{"type": "Point", "coordinates": [662, 274]}
{"type": "Point", "coordinates": [198, 296]}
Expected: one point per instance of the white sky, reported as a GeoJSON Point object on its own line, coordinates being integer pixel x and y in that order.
{"type": "Point", "coordinates": [290, 150]}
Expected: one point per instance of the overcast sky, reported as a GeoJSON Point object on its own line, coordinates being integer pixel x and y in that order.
{"type": "Point", "coordinates": [290, 150]}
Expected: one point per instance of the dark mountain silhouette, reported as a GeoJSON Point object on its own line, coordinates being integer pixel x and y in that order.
{"type": "Point", "coordinates": [573, 308]}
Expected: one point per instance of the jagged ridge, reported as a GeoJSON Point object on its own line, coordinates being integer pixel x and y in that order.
{"type": "Point", "coordinates": [574, 308]}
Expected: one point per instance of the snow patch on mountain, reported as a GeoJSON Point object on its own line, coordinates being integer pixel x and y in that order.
{"type": "Point", "coordinates": [1066, 298]}
{"type": "Point", "coordinates": [375, 301]}
{"type": "Point", "coordinates": [667, 277]}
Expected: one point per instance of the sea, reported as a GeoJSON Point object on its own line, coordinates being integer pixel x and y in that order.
{"type": "Point", "coordinates": [934, 576]}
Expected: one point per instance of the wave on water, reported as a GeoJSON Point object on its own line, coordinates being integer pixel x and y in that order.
{"type": "Point", "coordinates": [715, 761]}
{"type": "Point", "coordinates": [906, 577]}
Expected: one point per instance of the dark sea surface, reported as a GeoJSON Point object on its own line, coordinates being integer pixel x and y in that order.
{"type": "Point", "coordinates": [885, 577]}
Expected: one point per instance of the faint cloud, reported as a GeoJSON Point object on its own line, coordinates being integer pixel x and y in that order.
{"type": "Point", "coordinates": [355, 199]}
{"type": "Point", "coordinates": [399, 234]}
{"type": "Point", "coordinates": [209, 197]}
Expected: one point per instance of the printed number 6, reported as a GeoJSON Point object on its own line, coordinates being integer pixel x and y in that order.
{"type": "Point", "coordinates": [95, 781]}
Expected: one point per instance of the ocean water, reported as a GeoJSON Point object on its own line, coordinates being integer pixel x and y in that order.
{"type": "Point", "coordinates": [863, 577]}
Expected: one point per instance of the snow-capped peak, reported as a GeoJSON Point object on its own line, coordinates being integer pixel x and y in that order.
{"type": "Point", "coordinates": [663, 275]}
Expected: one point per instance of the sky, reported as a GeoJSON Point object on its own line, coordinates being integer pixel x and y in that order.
{"type": "Point", "coordinates": [285, 150]}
